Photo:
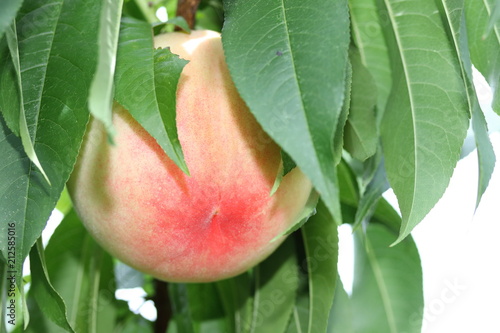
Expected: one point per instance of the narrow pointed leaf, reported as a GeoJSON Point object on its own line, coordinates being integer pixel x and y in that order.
{"type": "Point", "coordinates": [485, 153]}
{"type": "Point", "coordinates": [321, 245]}
{"type": "Point", "coordinates": [57, 59]}
{"type": "Point", "coordinates": [360, 133]}
{"type": "Point", "coordinates": [494, 22]}
{"type": "Point", "coordinates": [235, 294]}
{"type": "Point", "coordinates": [426, 119]}
{"type": "Point", "coordinates": [146, 84]}
{"type": "Point", "coordinates": [49, 301]}
{"type": "Point", "coordinates": [368, 35]}
{"type": "Point", "coordinates": [19, 125]}
{"type": "Point", "coordinates": [101, 90]}
{"type": "Point", "coordinates": [484, 50]}
{"type": "Point", "coordinates": [205, 306]}
{"type": "Point", "coordinates": [276, 282]}
{"type": "Point", "coordinates": [288, 60]}
{"type": "Point", "coordinates": [387, 291]}
{"type": "Point", "coordinates": [338, 140]}
{"type": "Point", "coordinates": [82, 273]}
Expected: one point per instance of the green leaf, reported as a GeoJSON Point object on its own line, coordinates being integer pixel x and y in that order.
{"type": "Point", "coordinates": [367, 31]}
{"type": "Point", "coordinates": [321, 245]}
{"type": "Point", "coordinates": [371, 195]}
{"type": "Point", "coordinates": [8, 13]}
{"type": "Point", "coordinates": [485, 153]}
{"type": "Point", "coordinates": [288, 60]}
{"type": "Point", "coordinates": [206, 310]}
{"type": "Point", "coordinates": [426, 119]}
{"type": "Point", "coordinates": [82, 273]}
{"type": "Point", "coordinates": [180, 308]}
{"type": "Point", "coordinates": [146, 84]}
{"type": "Point", "coordinates": [276, 282]}
{"type": "Point", "coordinates": [57, 60]}
{"type": "Point", "coordinates": [387, 291]}
{"type": "Point", "coordinates": [49, 301]}
{"type": "Point", "coordinates": [484, 50]}
{"type": "Point", "coordinates": [101, 90]}
{"type": "Point", "coordinates": [286, 165]}
{"type": "Point", "coordinates": [338, 140]}
{"type": "Point", "coordinates": [341, 315]}
{"type": "Point", "coordinates": [19, 125]}
{"type": "Point", "coordinates": [494, 19]}
{"type": "Point", "coordinates": [235, 294]}
{"type": "Point", "coordinates": [360, 133]}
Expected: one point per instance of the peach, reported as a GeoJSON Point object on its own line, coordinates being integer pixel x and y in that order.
{"type": "Point", "coordinates": [215, 223]}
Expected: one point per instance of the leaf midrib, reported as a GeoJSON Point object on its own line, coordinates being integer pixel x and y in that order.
{"type": "Point", "coordinates": [412, 106]}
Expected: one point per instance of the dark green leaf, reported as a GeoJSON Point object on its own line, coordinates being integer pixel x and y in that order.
{"type": "Point", "coordinates": [180, 308]}
{"type": "Point", "coordinates": [49, 301]}
{"type": "Point", "coordinates": [321, 245]}
{"type": "Point", "coordinates": [206, 310]}
{"type": "Point", "coordinates": [146, 84]}
{"type": "Point", "coordinates": [484, 50]}
{"type": "Point", "coordinates": [57, 56]}
{"type": "Point", "coordinates": [236, 297]}
{"type": "Point", "coordinates": [82, 273]}
{"type": "Point", "coordinates": [426, 119]}
{"type": "Point", "coordinates": [101, 90]}
{"type": "Point", "coordinates": [387, 291]}
{"type": "Point", "coordinates": [360, 133]}
{"type": "Point", "coordinates": [276, 282]}
{"type": "Point", "coordinates": [367, 30]}
{"type": "Point", "coordinates": [19, 124]}
{"type": "Point", "coordinates": [8, 13]}
{"type": "Point", "coordinates": [288, 61]}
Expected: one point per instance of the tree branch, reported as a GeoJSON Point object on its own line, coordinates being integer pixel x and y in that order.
{"type": "Point", "coordinates": [187, 9]}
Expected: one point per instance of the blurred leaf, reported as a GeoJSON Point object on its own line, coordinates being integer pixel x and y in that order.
{"type": "Point", "coordinates": [299, 51]}
{"type": "Point", "coordinates": [368, 24]}
{"type": "Point", "coordinates": [494, 19]}
{"type": "Point", "coordinates": [8, 13]}
{"type": "Point", "coordinates": [341, 315]}
{"type": "Point", "coordinates": [64, 203]}
{"type": "Point", "coordinates": [426, 119]}
{"type": "Point", "coordinates": [82, 273]}
{"type": "Point", "coordinates": [321, 245]}
{"type": "Point", "coordinates": [180, 308]}
{"type": "Point", "coordinates": [49, 301]}
{"type": "Point", "coordinates": [207, 312]}
{"type": "Point", "coordinates": [236, 297]}
{"type": "Point", "coordinates": [57, 60]}
{"type": "Point", "coordinates": [147, 10]}
{"type": "Point", "coordinates": [276, 282]}
{"type": "Point", "coordinates": [360, 133]}
{"type": "Point", "coordinates": [127, 277]}
{"type": "Point", "coordinates": [484, 50]}
{"type": "Point", "coordinates": [101, 90]}
{"type": "Point", "coordinates": [146, 84]}
{"type": "Point", "coordinates": [387, 291]}
{"type": "Point", "coordinates": [300, 316]}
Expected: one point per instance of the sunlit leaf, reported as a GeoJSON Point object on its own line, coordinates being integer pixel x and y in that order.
{"type": "Point", "coordinates": [288, 60]}
{"type": "Point", "coordinates": [101, 90]}
{"type": "Point", "coordinates": [146, 84]}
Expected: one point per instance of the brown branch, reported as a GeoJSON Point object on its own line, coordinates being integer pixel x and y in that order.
{"type": "Point", "coordinates": [163, 307]}
{"type": "Point", "coordinates": [187, 9]}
